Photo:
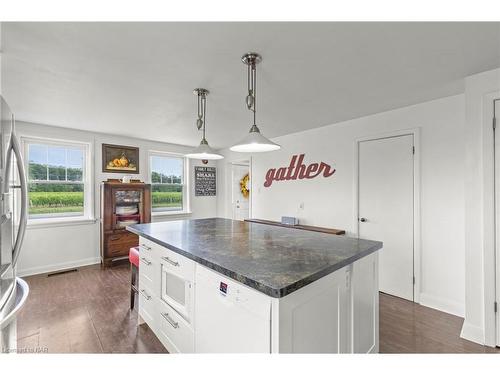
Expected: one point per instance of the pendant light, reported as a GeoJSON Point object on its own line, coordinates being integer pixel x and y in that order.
{"type": "Point", "coordinates": [254, 141]}
{"type": "Point", "coordinates": [203, 151]}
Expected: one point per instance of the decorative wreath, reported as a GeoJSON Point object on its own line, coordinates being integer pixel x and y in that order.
{"type": "Point", "coordinates": [245, 191]}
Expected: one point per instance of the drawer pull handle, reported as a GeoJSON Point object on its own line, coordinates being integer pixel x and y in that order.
{"type": "Point", "coordinates": [145, 247]}
{"type": "Point", "coordinates": [170, 320]}
{"type": "Point", "coordinates": [167, 259]}
{"type": "Point", "coordinates": [143, 292]}
{"type": "Point", "coordinates": [147, 262]}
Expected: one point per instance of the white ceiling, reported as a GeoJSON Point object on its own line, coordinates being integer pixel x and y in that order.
{"type": "Point", "coordinates": [136, 79]}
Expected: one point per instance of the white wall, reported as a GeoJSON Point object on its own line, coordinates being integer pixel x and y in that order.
{"type": "Point", "coordinates": [1, 58]}
{"type": "Point", "coordinates": [330, 202]}
{"type": "Point", "coordinates": [480, 90]}
{"type": "Point", "coordinates": [49, 248]}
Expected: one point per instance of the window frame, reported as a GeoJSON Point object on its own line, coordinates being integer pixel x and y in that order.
{"type": "Point", "coordinates": [186, 204]}
{"type": "Point", "coordinates": [87, 180]}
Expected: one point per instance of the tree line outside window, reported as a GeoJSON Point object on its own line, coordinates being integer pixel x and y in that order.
{"type": "Point", "coordinates": [56, 180]}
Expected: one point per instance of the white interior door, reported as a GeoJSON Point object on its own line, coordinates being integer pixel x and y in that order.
{"type": "Point", "coordinates": [497, 214]}
{"type": "Point", "coordinates": [240, 203]}
{"type": "Point", "coordinates": [385, 209]}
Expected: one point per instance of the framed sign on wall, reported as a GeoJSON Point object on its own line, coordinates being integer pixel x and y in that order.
{"type": "Point", "coordinates": [205, 181]}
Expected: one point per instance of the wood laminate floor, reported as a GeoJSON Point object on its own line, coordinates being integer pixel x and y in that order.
{"type": "Point", "coordinates": [88, 312]}
{"type": "Point", "coordinates": [406, 327]}
{"type": "Point", "coordinates": [83, 312]}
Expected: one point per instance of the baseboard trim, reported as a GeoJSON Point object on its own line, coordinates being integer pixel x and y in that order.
{"type": "Point", "coordinates": [57, 267]}
{"type": "Point", "coordinates": [441, 304]}
{"type": "Point", "coordinates": [472, 333]}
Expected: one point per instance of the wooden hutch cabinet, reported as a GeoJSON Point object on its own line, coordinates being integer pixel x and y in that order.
{"type": "Point", "coordinates": [122, 204]}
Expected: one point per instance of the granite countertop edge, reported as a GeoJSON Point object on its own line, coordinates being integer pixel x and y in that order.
{"type": "Point", "coordinates": [266, 289]}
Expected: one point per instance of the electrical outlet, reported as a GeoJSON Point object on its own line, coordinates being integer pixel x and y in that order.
{"type": "Point", "coordinates": [301, 206]}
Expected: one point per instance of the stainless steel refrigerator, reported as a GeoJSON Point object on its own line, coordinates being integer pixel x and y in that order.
{"type": "Point", "coordinates": [13, 219]}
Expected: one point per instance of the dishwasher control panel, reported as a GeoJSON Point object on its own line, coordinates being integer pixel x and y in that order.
{"type": "Point", "coordinates": [232, 291]}
{"type": "Point", "coordinates": [223, 288]}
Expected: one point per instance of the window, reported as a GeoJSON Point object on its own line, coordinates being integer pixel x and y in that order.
{"type": "Point", "coordinates": [56, 174]}
{"type": "Point", "coordinates": [168, 190]}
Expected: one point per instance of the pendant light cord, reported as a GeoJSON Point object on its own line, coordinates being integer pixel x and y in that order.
{"type": "Point", "coordinates": [252, 87]}
{"type": "Point", "coordinates": [204, 108]}
{"type": "Point", "coordinates": [199, 103]}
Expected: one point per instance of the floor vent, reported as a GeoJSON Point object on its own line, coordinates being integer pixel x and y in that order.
{"type": "Point", "coordinates": [62, 272]}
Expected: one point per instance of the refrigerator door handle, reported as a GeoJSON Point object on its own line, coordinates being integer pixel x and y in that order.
{"type": "Point", "coordinates": [22, 291]}
{"type": "Point", "coordinates": [23, 220]}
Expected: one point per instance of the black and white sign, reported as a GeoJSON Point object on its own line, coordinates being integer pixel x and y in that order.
{"type": "Point", "coordinates": [205, 181]}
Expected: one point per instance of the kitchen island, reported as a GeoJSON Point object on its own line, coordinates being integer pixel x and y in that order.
{"type": "Point", "coordinates": [220, 285]}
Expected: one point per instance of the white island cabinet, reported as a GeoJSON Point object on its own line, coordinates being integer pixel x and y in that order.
{"type": "Point", "coordinates": [194, 309]}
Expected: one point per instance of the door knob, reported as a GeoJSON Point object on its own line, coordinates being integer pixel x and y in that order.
{"type": "Point", "coordinates": [363, 220]}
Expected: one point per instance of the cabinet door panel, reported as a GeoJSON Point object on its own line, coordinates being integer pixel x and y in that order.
{"type": "Point", "coordinates": [365, 305]}
{"type": "Point", "coordinates": [315, 319]}
{"type": "Point", "coordinates": [315, 324]}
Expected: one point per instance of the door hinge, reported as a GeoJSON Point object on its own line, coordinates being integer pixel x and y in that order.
{"type": "Point", "coordinates": [494, 123]}
{"type": "Point", "coordinates": [495, 306]}
{"type": "Point", "coordinates": [413, 150]}
{"type": "Point", "coordinates": [413, 280]}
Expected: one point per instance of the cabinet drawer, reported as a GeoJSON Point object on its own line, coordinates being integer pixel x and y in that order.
{"type": "Point", "coordinates": [147, 267]}
{"type": "Point", "coordinates": [120, 244]}
{"type": "Point", "coordinates": [146, 247]}
{"type": "Point", "coordinates": [117, 252]}
{"type": "Point", "coordinates": [149, 285]}
{"type": "Point", "coordinates": [177, 264]}
{"type": "Point", "coordinates": [121, 238]}
{"type": "Point", "coordinates": [147, 306]}
{"type": "Point", "coordinates": [173, 330]}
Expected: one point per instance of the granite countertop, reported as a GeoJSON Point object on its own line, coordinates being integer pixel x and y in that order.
{"type": "Point", "coordinates": [273, 260]}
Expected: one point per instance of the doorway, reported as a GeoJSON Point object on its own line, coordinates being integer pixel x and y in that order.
{"type": "Point", "coordinates": [240, 190]}
{"type": "Point", "coordinates": [386, 208]}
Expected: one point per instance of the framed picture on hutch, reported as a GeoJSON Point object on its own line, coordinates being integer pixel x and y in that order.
{"type": "Point", "coordinates": [120, 159]}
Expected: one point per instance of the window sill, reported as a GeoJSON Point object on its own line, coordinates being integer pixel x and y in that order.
{"type": "Point", "coordinates": [170, 213]}
{"type": "Point", "coordinates": [59, 222]}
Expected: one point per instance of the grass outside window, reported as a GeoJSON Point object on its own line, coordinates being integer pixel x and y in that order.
{"type": "Point", "coordinates": [56, 202]}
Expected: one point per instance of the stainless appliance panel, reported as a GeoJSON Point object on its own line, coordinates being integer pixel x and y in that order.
{"type": "Point", "coordinates": [7, 278]}
{"type": "Point", "coordinates": [13, 291]}
{"type": "Point", "coordinates": [8, 324]}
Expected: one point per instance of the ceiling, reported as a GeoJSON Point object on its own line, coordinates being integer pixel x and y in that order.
{"type": "Point", "coordinates": [136, 79]}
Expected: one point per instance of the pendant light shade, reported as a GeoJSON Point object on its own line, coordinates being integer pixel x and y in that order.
{"type": "Point", "coordinates": [254, 141]}
{"type": "Point", "coordinates": [203, 151]}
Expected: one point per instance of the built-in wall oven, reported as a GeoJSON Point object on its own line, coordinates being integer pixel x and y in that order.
{"type": "Point", "coordinates": [177, 275]}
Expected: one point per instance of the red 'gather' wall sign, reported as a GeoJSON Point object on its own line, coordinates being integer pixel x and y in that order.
{"type": "Point", "coordinates": [298, 170]}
